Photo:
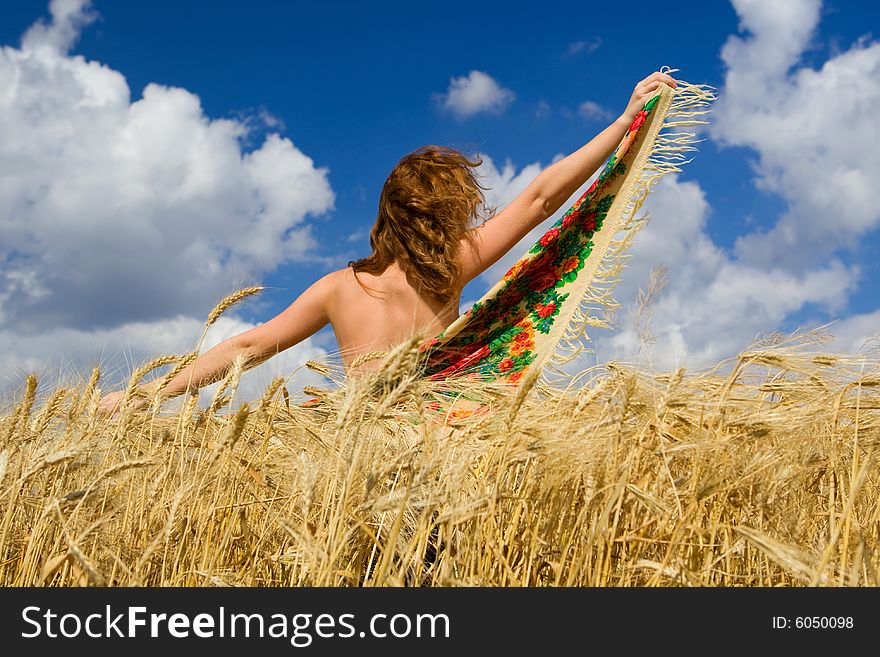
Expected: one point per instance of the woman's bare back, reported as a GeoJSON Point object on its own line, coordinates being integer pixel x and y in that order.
{"type": "Point", "coordinates": [381, 312]}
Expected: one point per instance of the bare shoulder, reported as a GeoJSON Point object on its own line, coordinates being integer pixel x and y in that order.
{"type": "Point", "coordinates": [337, 278]}
{"type": "Point", "coordinates": [331, 284]}
{"type": "Point", "coordinates": [328, 283]}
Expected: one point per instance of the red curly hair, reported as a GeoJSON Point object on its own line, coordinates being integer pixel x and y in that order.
{"type": "Point", "coordinates": [428, 205]}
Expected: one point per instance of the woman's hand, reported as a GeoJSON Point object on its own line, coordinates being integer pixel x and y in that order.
{"type": "Point", "coordinates": [109, 403]}
{"type": "Point", "coordinates": [642, 94]}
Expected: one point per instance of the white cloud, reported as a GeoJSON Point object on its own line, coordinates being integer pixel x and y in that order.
{"type": "Point", "coordinates": [543, 109]}
{"type": "Point", "coordinates": [114, 211]}
{"type": "Point", "coordinates": [813, 130]}
{"type": "Point", "coordinates": [857, 333]}
{"type": "Point", "coordinates": [474, 93]}
{"type": "Point", "coordinates": [123, 221]}
{"type": "Point", "coordinates": [69, 17]}
{"type": "Point", "coordinates": [587, 46]}
{"type": "Point", "coordinates": [714, 303]}
{"type": "Point", "coordinates": [593, 111]}
{"type": "Point", "coordinates": [68, 354]}
{"type": "Point", "coordinates": [358, 235]}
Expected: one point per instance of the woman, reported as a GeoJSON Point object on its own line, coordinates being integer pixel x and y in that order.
{"type": "Point", "coordinates": [424, 253]}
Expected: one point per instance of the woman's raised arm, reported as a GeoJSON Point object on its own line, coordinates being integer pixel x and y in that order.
{"type": "Point", "coordinates": [551, 188]}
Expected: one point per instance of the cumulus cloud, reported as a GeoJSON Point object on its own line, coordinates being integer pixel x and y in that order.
{"type": "Point", "coordinates": [811, 129]}
{"type": "Point", "coordinates": [857, 333]}
{"type": "Point", "coordinates": [119, 212]}
{"type": "Point", "coordinates": [69, 17]}
{"type": "Point", "coordinates": [69, 354]}
{"type": "Point", "coordinates": [115, 210]}
{"type": "Point", "coordinates": [473, 94]}
{"type": "Point", "coordinates": [714, 303]}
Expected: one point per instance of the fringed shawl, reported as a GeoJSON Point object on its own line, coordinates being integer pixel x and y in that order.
{"type": "Point", "coordinates": [537, 315]}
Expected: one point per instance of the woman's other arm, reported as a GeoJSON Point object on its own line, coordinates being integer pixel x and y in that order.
{"type": "Point", "coordinates": [303, 318]}
{"type": "Point", "coordinates": [551, 188]}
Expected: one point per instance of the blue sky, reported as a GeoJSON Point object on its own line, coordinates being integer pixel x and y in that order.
{"type": "Point", "coordinates": [354, 86]}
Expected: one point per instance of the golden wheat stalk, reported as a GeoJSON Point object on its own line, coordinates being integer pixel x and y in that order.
{"type": "Point", "coordinates": [49, 410]}
{"type": "Point", "coordinates": [22, 413]}
{"type": "Point", "coordinates": [228, 301]}
{"type": "Point", "coordinates": [184, 362]}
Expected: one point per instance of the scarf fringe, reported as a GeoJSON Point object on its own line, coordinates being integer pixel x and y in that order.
{"type": "Point", "coordinates": [598, 307]}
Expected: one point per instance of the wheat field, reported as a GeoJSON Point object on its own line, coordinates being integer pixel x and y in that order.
{"type": "Point", "coordinates": [759, 472]}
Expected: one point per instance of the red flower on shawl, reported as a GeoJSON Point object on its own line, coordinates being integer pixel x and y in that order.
{"type": "Point", "coordinates": [523, 336]}
{"type": "Point", "coordinates": [547, 310]}
{"type": "Point", "coordinates": [516, 376]}
{"type": "Point", "coordinates": [428, 344]}
{"type": "Point", "coordinates": [589, 222]}
{"type": "Point", "coordinates": [638, 121]}
{"type": "Point", "coordinates": [549, 236]}
{"type": "Point", "coordinates": [570, 263]}
{"type": "Point", "coordinates": [541, 272]}
{"type": "Point", "coordinates": [505, 364]}
{"type": "Point", "coordinates": [522, 341]}
{"type": "Point", "coordinates": [544, 278]}
{"type": "Point", "coordinates": [519, 348]}
{"type": "Point", "coordinates": [593, 186]}
{"type": "Point", "coordinates": [513, 270]}
{"type": "Point", "coordinates": [514, 297]}
{"type": "Point", "coordinates": [475, 355]}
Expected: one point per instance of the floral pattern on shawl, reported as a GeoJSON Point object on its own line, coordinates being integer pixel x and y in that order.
{"type": "Point", "coordinates": [499, 340]}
